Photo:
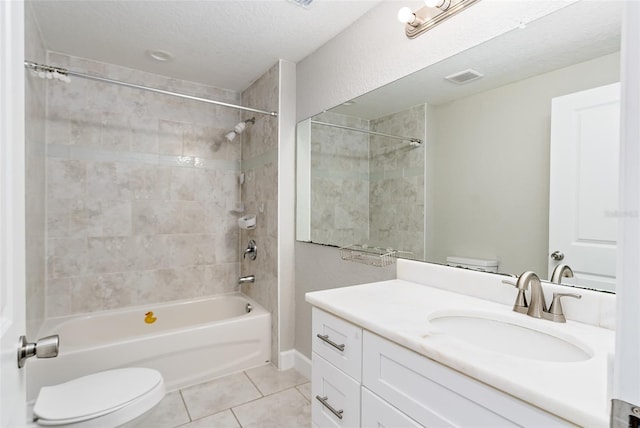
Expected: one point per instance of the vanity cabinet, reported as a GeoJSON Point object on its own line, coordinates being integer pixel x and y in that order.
{"type": "Point", "coordinates": [375, 382]}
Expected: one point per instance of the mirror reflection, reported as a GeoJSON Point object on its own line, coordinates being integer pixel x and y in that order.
{"type": "Point", "coordinates": [519, 160]}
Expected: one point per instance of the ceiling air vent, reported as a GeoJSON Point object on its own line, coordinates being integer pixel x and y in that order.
{"type": "Point", "coordinates": [303, 3]}
{"type": "Point", "coordinates": [465, 76]}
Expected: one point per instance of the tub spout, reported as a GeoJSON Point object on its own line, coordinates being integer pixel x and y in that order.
{"type": "Point", "coordinates": [247, 279]}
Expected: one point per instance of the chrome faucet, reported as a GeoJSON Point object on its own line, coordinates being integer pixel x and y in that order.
{"type": "Point", "coordinates": [537, 308]}
{"type": "Point", "coordinates": [561, 271]}
{"type": "Point", "coordinates": [247, 279]}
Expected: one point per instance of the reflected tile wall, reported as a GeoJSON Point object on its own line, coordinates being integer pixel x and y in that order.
{"type": "Point", "coordinates": [35, 110]}
{"type": "Point", "coordinates": [260, 196]}
{"type": "Point", "coordinates": [396, 199]}
{"type": "Point", "coordinates": [339, 181]}
{"type": "Point", "coordinates": [139, 191]}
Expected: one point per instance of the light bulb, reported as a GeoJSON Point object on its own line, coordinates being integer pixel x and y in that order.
{"type": "Point", "coordinates": [405, 15]}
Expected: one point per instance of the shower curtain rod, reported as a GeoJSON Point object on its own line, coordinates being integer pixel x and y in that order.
{"type": "Point", "coordinates": [411, 140]}
{"type": "Point", "coordinates": [65, 72]}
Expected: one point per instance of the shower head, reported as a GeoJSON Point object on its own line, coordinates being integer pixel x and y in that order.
{"type": "Point", "coordinates": [230, 136]}
{"type": "Point", "coordinates": [239, 129]}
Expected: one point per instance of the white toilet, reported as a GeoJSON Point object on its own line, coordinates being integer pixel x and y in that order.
{"type": "Point", "coordinates": [104, 399]}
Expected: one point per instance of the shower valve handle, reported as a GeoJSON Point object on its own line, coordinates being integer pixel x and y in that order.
{"type": "Point", "coordinates": [251, 250]}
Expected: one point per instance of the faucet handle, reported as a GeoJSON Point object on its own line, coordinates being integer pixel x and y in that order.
{"type": "Point", "coordinates": [555, 310]}
{"type": "Point", "coordinates": [520, 305]}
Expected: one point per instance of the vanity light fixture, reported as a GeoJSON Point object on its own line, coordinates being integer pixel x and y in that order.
{"type": "Point", "coordinates": [433, 13]}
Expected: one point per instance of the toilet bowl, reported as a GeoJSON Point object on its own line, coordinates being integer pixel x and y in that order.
{"type": "Point", "coordinates": [104, 399]}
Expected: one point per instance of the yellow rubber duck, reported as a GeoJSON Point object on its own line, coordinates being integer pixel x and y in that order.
{"type": "Point", "coordinates": [149, 318]}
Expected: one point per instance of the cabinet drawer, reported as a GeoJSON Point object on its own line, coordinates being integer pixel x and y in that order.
{"type": "Point", "coordinates": [338, 391]}
{"type": "Point", "coordinates": [338, 341]}
{"type": "Point", "coordinates": [378, 413]}
{"type": "Point", "coordinates": [435, 395]}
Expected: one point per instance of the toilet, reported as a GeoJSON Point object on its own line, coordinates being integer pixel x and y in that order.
{"type": "Point", "coordinates": [104, 399]}
{"type": "Point", "coordinates": [482, 265]}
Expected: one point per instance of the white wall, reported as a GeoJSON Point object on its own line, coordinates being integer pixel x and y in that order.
{"type": "Point", "coordinates": [286, 204]}
{"type": "Point", "coordinates": [627, 364]}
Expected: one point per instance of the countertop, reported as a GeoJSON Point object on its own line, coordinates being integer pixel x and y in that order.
{"type": "Point", "coordinates": [400, 310]}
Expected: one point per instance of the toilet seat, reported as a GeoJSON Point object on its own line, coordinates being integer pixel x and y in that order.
{"type": "Point", "coordinates": [111, 397]}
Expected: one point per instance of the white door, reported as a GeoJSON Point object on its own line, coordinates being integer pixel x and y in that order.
{"type": "Point", "coordinates": [583, 194]}
{"type": "Point", "coordinates": [12, 210]}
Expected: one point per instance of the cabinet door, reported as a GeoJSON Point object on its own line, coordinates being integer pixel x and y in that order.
{"type": "Point", "coordinates": [378, 413]}
{"type": "Point", "coordinates": [435, 395]}
{"type": "Point", "coordinates": [337, 341]}
{"type": "Point", "coordinates": [332, 389]}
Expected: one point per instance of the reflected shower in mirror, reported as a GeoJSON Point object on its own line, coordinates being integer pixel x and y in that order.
{"type": "Point", "coordinates": [367, 181]}
{"type": "Point", "coordinates": [479, 186]}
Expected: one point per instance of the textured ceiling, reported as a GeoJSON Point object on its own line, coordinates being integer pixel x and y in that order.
{"type": "Point", "coordinates": [573, 34]}
{"type": "Point", "coordinates": [227, 44]}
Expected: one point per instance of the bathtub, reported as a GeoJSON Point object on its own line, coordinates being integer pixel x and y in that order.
{"type": "Point", "coordinates": [187, 341]}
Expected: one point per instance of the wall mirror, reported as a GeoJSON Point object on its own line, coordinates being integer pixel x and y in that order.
{"type": "Point", "coordinates": [480, 184]}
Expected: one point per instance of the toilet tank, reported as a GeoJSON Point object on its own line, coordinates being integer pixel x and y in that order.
{"type": "Point", "coordinates": [482, 265]}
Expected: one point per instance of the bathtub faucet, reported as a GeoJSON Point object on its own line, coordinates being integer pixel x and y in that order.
{"type": "Point", "coordinates": [247, 279]}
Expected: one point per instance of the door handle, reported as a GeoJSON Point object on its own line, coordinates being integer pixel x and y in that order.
{"type": "Point", "coordinates": [557, 255]}
{"type": "Point", "coordinates": [46, 347]}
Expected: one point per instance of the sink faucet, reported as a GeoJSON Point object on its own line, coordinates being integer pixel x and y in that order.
{"type": "Point", "coordinates": [561, 271]}
{"type": "Point", "coordinates": [537, 308]}
{"type": "Point", "coordinates": [537, 305]}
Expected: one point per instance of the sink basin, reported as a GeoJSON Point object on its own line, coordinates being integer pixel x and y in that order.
{"type": "Point", "coordinates": [508, 338]}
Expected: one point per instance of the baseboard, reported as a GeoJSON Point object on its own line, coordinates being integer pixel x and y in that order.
{"type": "Point", "coordinates": [293, 359]}
{"type": "Point", "coordinates": [287, 359]}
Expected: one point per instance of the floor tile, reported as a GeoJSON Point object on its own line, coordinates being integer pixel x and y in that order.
{"type": "Point", "coordinates": [219, 420]}
{"type": "Point", "coordinates": [305, 390]}
{"type": "Point", "coordinates": [169, 413]}
{"type": "Point", "coordinates": [220, 394]}
{"type": "Point", "coordinates": [283, 409]}
{"type": "Point", "coordinates": [269, 379]}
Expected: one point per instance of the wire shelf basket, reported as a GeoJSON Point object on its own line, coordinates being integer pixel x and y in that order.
{"type": "Point", "coordinates": [371, 256]}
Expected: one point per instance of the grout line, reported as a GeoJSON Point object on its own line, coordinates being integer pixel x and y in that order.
{"type": "Point", "coordinates": [253, 383]}
{"type": "Point", "coordinates": [303, 395]}
{"type": "Point", "coordinates": [185, 405]}
{"type": "Point", "coordinates": [236, 417]}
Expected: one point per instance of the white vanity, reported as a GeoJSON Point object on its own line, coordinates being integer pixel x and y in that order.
{"type": "Point", "coordinates": [415, 352]}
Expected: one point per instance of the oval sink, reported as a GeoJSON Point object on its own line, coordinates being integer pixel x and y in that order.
{"type": "Point", "coordinates": [507, 338]}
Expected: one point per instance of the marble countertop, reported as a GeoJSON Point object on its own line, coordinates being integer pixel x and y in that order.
{"type": "Point", "coordinates": [400, 311]}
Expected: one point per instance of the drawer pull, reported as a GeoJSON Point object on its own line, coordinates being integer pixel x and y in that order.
{"type": "Point", "coordinates": [325, 338]}
{"type": "Point", "coordinates": [323, 400]}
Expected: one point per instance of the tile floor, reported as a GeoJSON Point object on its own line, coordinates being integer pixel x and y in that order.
{"type": "Point", "coordinates": [262, 397]}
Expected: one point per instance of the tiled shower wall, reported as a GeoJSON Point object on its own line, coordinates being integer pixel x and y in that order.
{"type": "Point", "coordinates": [339, 181]}
{"type": "Point", "coordinates": [139, 191]}
{"type": "Point", "coordinates": [35, 98]}
{"type": "Point", "coordinates": [260, 196]}
{"type": "Point", "coordinates": [397, 171]}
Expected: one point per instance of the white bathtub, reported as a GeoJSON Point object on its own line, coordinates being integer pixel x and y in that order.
{"type": "Point", "coordinates": [190, 341]}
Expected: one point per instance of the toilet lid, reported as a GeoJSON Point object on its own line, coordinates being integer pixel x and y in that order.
{"type": "Point", "coordinates": [95, 395]}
